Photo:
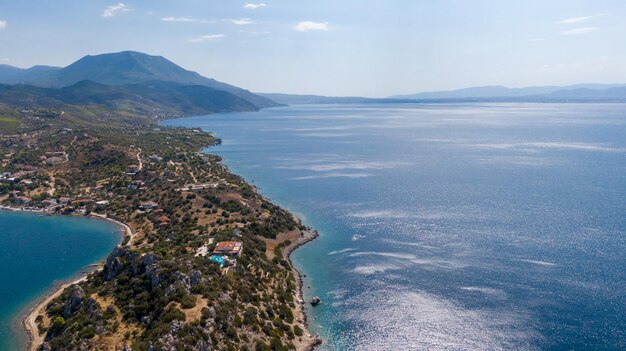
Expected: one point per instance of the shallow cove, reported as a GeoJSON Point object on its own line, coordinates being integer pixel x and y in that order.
{"type": "Point", "coordinates": [37, 253]}
{"type": "Point", "coordinates": [448, 226]}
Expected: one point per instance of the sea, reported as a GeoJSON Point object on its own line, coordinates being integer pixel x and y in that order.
{"type": "Point", "coordinates": [39, 252]}
{"type": "Point", "coordinates": [469, 226]}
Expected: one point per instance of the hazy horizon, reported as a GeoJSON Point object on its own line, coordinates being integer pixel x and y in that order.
{"type": "Point", "coordinates": [372, 49]}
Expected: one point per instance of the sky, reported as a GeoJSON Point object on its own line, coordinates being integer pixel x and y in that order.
{"type": "Point", "coordinates": [372, 48]}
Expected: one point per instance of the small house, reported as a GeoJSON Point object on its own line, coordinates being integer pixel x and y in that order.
{"type": "Point", "coordinates": [163, 220]}
{"type": "Point", "coordinates": [136, 184]}
{"type": "Point", "coordinates": [132, 169]}
{"type": "Point", "coordinates": [21, 199]}
{"type": "Point", "coordinates": [102, 203]}
{"type": "Point", "coordinates": [54, 160]}
{"type": "Point", "coordinates": [147, 205]}
{"type": "Point", "coordinates": [155, 158]}
{"type": "Point", "coordinates": [229, 248]}
{"type": "Point", "coordinates": [50, 202]}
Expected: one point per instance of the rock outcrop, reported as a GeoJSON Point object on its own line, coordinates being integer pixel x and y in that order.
{"type": "Point", "coordinates": [114, 263]}
{"type": "Point", "coordinates": [147, 264]}
{"type": "Point", "coordinates": [74, 301]}
{"type": "Point", "coordinates": [93, 307]}
{"type": "Point", "coordinates": [195, 278]}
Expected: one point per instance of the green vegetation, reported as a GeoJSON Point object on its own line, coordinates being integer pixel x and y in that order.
{"type": "Point", "coordinates": [9, 123]}
{"type": "Point", "coordinates": [157, 291]}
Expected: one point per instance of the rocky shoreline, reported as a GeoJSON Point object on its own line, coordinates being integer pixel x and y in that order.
{"type": "Point", "coordinates": [235, 196]}
{"type": "Point", "coordinates": [36, 339]}
{"type": "Point", "coordinates": [307, 236]}
{"type": "Point", "coordinates": [312, 341]}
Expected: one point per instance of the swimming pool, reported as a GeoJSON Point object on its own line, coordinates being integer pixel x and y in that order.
{"type": "Point", "coordinates": [218, 259]}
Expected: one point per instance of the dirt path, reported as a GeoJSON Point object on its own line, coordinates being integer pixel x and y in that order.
{"type": "Point", "coordinates": [52, 185]}
{"type": "Point", "coordinates": [198, 186]}
{"type": "Point", "coordinates": [139, 159]}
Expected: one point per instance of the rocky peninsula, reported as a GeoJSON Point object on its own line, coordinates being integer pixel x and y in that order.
{"type": "Point", "coordinates": [160, 289]}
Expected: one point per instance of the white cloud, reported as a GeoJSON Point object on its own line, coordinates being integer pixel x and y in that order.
{"type": "Point", "coordinates": [186, 19]}
{"type": "Point", "coordinates": [237, 21]}
{"type": "Point", "coordinates": [575, 20]}
{"type": "Point", "coordinates": [251, 6]}
{"type": "Point", "coordinates": [242, 21]}
{"type": "Point", "coordinates": [209, 37]}
{"type": "Point", "coordinates": [580, 19]}
{"type": "Point", "coordinates": [310, 25]}
{"type": "Point", "coordinates": [115, 9]}
{"type": "Point", "coordinates": [583, 30]}
{"type": "Point", "coordinates": [179, 19]}
{"type": "Point", "coordinates": [3, 24]}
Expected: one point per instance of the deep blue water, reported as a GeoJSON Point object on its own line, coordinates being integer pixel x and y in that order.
{"type": "Point", "coordinates": [39, 251]}
{"type": "Point", "coordinates": [445, 227]}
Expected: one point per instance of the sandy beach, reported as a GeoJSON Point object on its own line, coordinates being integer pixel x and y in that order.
{"type": "Point", "coordinates": [127, 231]}
{"type": "Point", "coordinates": [29, 322]}
{"type": "Point", "coordinates": [36, 338]}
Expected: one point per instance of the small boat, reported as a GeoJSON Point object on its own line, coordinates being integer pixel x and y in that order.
{"type": "Point", "coordinates": [315, 301]}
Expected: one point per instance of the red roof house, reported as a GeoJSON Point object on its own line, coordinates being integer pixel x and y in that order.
{"type": "Point", "coordinates": [229, 248]}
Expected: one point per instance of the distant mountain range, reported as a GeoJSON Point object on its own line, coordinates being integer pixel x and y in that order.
{"type": "Point", "coordinates": [578, 91]}
{"type": "Point", "coordinates": [14, 75]}
{"type": "Point", "coordinates": [289, 99]}
{"type": "Point", "coordinates": [120, 76]}
{"type": "Point", "coordinates": [571, 93]}
{"type": "Point", "coordinates": [135, 83]}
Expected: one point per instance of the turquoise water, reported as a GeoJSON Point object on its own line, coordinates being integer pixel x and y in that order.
{"type": "Point", "coordinates": [218, 259]}
{"type": "Point", "coordinates": [39, 251]}
{"type": "Point", "coordinates": [447, 227]}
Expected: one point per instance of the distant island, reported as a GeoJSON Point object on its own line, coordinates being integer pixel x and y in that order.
{"type": "Point", "coordinates": [205, 259]}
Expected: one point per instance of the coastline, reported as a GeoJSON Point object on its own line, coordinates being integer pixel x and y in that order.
{"type": "Point", "coordinates": [35, 339]}
{"type": "Point", "coordinates": [30, 324]}
{"type": "Point", "coordinates": [28, 319]}
{"type": "Point", "coordinates": [307, 341]}
{"type": "Point", "coordinates": [307, 236]}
